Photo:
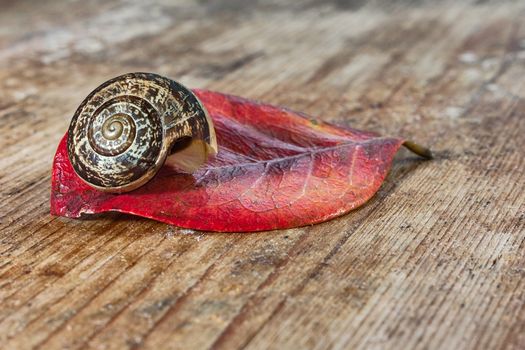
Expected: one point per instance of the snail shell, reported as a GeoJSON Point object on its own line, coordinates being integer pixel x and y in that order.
{"type": "Point", "coordinates": [125, 129]}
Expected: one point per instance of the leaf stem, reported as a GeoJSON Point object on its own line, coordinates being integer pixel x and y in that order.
{"type": "Point", "coordinates": [418, 149]}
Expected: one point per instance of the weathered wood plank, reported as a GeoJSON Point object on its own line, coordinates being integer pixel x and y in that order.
{"type": "Point", "coordinates": [435, 260]}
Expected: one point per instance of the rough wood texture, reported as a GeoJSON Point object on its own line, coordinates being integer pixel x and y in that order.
{"type": "Point", "coordinates": [435, 260]}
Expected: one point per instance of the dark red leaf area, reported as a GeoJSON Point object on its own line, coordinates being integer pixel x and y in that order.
{"type": "Point", "coordinates": [275, 169]}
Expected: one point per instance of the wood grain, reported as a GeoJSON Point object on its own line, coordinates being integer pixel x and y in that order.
{"type": "Point", "coordinates": [436, 260]}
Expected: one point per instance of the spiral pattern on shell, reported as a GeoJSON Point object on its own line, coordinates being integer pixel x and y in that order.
{"type": "Point", "coordinates": [123, 131]}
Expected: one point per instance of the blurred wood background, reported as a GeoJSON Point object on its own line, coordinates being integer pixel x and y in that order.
{"type": "Point", "coordinates": [436, 260]}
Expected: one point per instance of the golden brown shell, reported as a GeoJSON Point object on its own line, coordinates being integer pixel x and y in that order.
{"type": "Point", "coordinates": [123, 131]}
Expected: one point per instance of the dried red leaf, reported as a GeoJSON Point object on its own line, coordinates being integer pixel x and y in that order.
{"type": "Point", "coordinates": [275, 169]}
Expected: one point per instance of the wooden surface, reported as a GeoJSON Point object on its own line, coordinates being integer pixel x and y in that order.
{"type": "Point", "coordinates": [435, 260]}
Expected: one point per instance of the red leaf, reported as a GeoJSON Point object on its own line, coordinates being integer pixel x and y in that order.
{"type": "Point", "coordinates": [275, 169]}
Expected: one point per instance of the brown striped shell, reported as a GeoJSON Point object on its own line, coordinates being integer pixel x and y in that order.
{"type": "Point", "coordinates": [125, 129]}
